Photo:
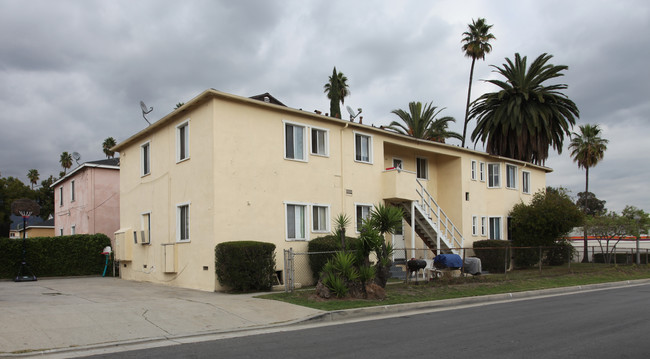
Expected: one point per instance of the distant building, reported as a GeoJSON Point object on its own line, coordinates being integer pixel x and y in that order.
{"type": "Point", "coordinates": [87, 200]}
{"type": "Point", "coordinates": [36, 227]}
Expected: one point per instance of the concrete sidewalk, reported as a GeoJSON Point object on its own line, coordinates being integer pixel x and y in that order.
{"type": "Point", "coordinates": [90, 311]}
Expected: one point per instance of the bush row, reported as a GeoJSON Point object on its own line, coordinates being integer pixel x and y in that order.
{"type": "Point", "coordinates": [54, 256]}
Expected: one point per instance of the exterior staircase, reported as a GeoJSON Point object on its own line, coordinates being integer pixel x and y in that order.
{"type": "Point", "coordinates": [432, 225]}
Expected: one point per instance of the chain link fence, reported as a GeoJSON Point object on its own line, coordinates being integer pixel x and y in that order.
{"type": "Point", "coordinates": [300, 267]}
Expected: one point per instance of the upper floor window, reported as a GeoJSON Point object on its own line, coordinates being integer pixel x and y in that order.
{"type": "Point", "coordinates": [422, 168]}
{"type": "Point", "coordinates": [72, 191]}
{"type": "Point", "coordinates": [296, 215]}
{"type": "Point", "coordinates": [183, 222]}
{"type": "Point", "coordinates": [494, 175]}
{"type": "Point", "coordinates": [145, 159]}
{"type": "Point", "coordinates": [481, 171]}
{"type": "Point", "coordinates": [294, 141]}
{"type": "Point", "coordinates": [525, 181]}
{"type": "Point", "coordinates": [362, 148]}
{"type": "Point", "coordinates": [61, 196]}
{"type": "Point", "coordinates": [319, 142]}
{"type": "Point", "coordinates": [320, 218]}
{"type": "Point", "coordinates": [473, 170]}
{"type": "Point", "coordinates": [397, 163]}
{"type": "Point", "coordinates": [183, 141]}
{"type": "Point", "coordinates": [511, 176]}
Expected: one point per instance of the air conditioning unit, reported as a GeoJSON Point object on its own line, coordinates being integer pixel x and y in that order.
{"type": "Point", "coordinates": [144, 237]}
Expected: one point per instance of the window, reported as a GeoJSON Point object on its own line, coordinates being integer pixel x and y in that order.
{"type": "Point", "coordinates": [146, 227]}
{"type": "Point", "coordinates": [495, 227]}
{"type": "Point", "coordinates": [294, 140]}
{"type": "Point", "coordinates": [61, 196]}
{"type": "Point", "coordinates": [73, 229]}
{"type": "Point", "coordinates": [525, 181]}
{"type": "Point", "coordinates": [511, 176]}
{"type": "Point", "coordinates": [183, 222]}
{"type": "Point", "coordinates": [481, 171]}
{"type": "Point", "coordinates": [362, 148]}
{"type": "Point", "coordinates": [422, 168]}
{"type": "Point", "coordinates": [296, 222]}
{"type": "Point", "coordinates": [362, 212]}
{"type": "Point", "coordinates": [60, 231]}
{"type": "Point", "coordinates": [493, 175]}
{"type": "Point", "coordinates": [320, 218]}
{"type": "Point", "coordinates": [483, 225]}
{"type": "Point", "coordinates": [473, 170]}
{"type": "Point", "coordinates": [397, 163]}
{"type": "Point", "coordinates": [72, 191]}
{"type": "Point", "coordinates": [145, 159]}
{"type": "Point", "coordinates": [183, 141]}
{"type": "Point", "coordinates": [474, 225]}
{"type": "Point", "coordinates": [319, 142]}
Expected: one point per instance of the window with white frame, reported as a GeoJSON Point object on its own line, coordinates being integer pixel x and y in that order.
{"type": "Point", "coordinates": [294, 141]}
{"type": "Point", "coordinates": [473, 170]}
{"type": "Point", "coordinates": [483, 225]}
{"type": "Point", "coordinates": [495, 227]}
{"type": "Point", "coordinates": [320, 218]}
{"type": "Point", "coordinates": [474, 225]}
{"type": "Point", "coordinates": [319, 142]}
{"type": "Point", "coordinates": [397, 163]}
{"type": "Point", "coordinates": [73, 229]}
{"type": "Point", "coordinates": [481, 171]}
{"type": "Point", "coordinates": [511, 176]}
{"type": "Point", "coordinates": [525, 181]}
{"type": "Point", "coordinates": [145, 158]}
{"type": "Point", "coordinates": [362, 148]}
{"type": "Point", "coordinates": [61, 196]}
{"type": "Point", "coordinates": [296, 221]}
{"type": "Point", "coordinates": [494, 175]}
{"type": "Point", "coordinates": [362, 212]}
{"type": "Point", "coordinates": [145, 226]}
{"type": "Point", "coordinates": [72, 191]}
{"type": "Point", "coordinates": [183, 222]}
{"type": "Point", "coordinates": [183, 141]}
{"type": "Point", "coordinates": [422, 168]}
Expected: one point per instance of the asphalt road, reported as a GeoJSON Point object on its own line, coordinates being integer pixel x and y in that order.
{"type": "Point", "coordinates": [612, 323]}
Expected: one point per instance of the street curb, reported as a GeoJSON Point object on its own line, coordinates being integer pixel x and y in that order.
{"type": "Point", "coordinates": [342, 315]}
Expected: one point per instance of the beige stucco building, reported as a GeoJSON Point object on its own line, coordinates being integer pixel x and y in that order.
{"type": "Point", "coordinates": [227, 168]}
{"type": "Point", "coordinates": [87, 200]}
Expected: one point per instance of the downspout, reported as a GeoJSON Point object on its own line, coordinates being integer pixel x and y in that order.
{"type": "Point", "coordinates": [341, 171]}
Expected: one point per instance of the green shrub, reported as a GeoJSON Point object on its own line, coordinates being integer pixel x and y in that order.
{"type": "Point", "coordinates": [525, 257]}
{"type": "Point", "coordinates": [621, 258]}
{"type": "Point", "coordinates": [55, 256]}
{"type": "Point", "coordinates": [492, 253]}
{"type": "Point", "coordinates": [330, 243]}
{"type": "Point", "coordinates": [245, 265]}
{"type": "Point", "coordinates": [561, 253]}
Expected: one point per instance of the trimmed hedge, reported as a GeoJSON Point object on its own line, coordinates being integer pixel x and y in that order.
{"type": "Point", "coordinates": [55, 256]}
{"type": "Point", "coordinates": [245, 266]}
{"type": "Point", "coordinates": [329, 243]}
{"type": "Point", "coordinates": [492, 253]}
{"type": "Point", "coordinates": [621, 258]}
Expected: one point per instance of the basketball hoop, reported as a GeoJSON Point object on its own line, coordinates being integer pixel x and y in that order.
{"type": "Point", "coordinates": [25, 207]}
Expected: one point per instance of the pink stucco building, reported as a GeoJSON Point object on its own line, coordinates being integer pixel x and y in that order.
{"type": "Point", "coordinates": [87, 200]}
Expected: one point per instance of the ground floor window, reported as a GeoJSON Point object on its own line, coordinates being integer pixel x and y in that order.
{"type": "Point", "coordinates": [296, 221]}
{"type": "Point", "coordinates": [362, 212]}
{"type": "Point", "coordinates": [495, 228]}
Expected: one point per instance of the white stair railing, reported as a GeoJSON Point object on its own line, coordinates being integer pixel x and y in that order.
{"type": "Point", "coordinates": [446, 229]}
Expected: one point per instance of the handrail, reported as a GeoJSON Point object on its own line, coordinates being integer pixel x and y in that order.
{"type": "Point", "coordinates": [443, 223]}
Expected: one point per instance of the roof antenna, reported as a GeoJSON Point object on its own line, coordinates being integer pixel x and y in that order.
{"type": "Point", "coordinates": [76, 156]}
{"type": "Point", "coordinates": [145, 111]}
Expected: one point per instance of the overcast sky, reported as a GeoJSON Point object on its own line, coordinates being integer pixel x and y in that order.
{"type": "Point", "coordinates": [73, 72]}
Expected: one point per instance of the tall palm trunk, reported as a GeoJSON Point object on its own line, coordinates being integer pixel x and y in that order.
{"type": "Point", "coordinates": [585, 259]}
{"type": "Point", "coordinates": [469, 94]}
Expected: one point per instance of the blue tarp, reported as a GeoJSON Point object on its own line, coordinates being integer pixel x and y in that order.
{"type": "Point", "coordinates": [448, 261]}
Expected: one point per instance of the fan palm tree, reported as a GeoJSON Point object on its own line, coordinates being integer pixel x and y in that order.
{"type": "Point", "coordinates": [65, 161]}
{"type": "Point", "coordinates": [109, 143]}
{"type": "Point", "coordinates": [587, 149]}
{"type": "Point", "coordinates": [33, 176]}
{"type": "Point", "coordinates": [420, 122]}
{"type": "Point", "coordinates": [525, 117]}
{"type": "Point", "coordinates": [476, 44]}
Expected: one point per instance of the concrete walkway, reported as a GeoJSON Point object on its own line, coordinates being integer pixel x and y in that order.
{"type": "Point", "coordinates": [84, 312]}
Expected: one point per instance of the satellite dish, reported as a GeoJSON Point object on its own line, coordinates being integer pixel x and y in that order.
{"type": "Point", "coordinates": [352, 114]}
{"type": "Point", "coordinates": [76, 156]}
{"type": "Point", "coordinates": [145, 111]}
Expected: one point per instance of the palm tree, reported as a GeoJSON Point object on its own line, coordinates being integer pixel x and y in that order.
{"type": "Point", "coordinates": [587, 149]}
{"type": "Point", "coordinates": [109, 143]}
{"type": "Point", "coordinates": [475, 45]}
{"type": "Point", "coordinates": [65, 161]}
{"type": "Point", "coordinates": [525, 117]}
{"type": "Point", "coordinates": [421, 122]}
{"type": "Point", "coordinates": [33, 175]}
